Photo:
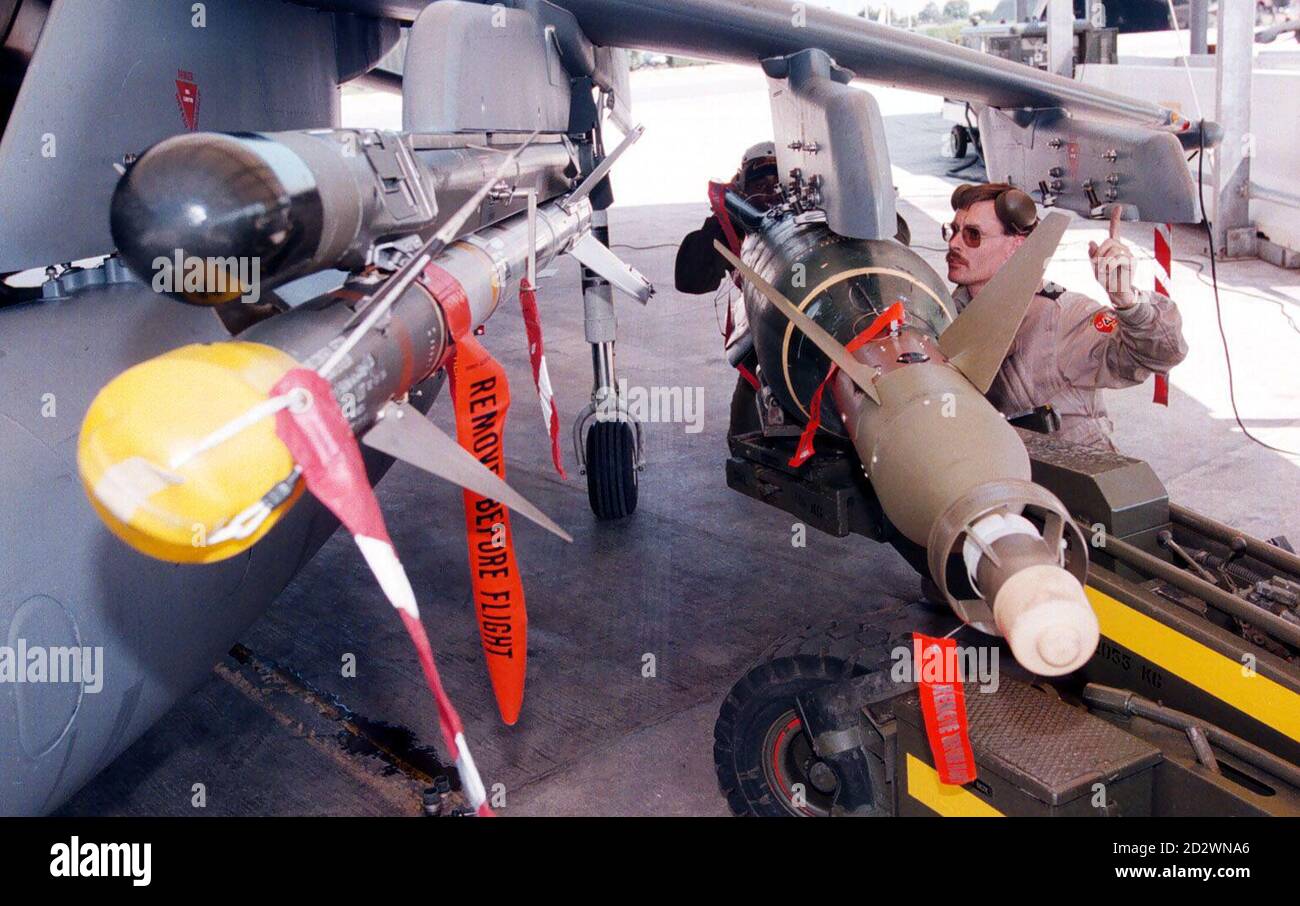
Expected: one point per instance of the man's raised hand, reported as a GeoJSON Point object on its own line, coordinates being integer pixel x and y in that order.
{"type": "Point", "coordinates": [1112, 264]}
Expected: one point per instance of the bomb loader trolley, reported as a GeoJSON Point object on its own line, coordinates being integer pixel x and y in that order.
{"type": "Point", "coordinates": [1190, 706]}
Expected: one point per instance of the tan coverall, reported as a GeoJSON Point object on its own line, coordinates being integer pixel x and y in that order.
{"type": "Point", "coordinates": [1069, 348]}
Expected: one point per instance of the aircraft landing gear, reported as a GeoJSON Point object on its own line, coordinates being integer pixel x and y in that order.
{"type": "Point", "coordinates": [956, 143]}
{"type": "Point", "coordinates": [608, 443]}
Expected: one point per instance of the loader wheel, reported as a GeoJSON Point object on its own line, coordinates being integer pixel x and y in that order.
{"type": "Point", "coordinates": [744, 409]}
{"type": "Point", "coordinates": [611, 469]}
{"type": "Point", "coordinates": [765, 762]}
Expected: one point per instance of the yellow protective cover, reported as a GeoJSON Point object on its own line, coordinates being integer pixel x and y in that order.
{"type": "Point", "coordinates": [147, 419]}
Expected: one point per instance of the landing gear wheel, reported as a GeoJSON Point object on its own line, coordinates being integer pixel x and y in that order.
{"type": "Point", "coordinates": [611, 469]}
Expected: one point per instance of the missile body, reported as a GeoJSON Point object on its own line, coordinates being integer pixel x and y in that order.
{"type": "Point", "coordinates": [950, 473]}
{"type": "Point", "coordinates": [300, 202]}
{"type": "Point", "coordinates": [146, 453]}
{"type": "Point", "coordinates": [179, 454]}
{"type": "Point", "coordinates": [483, 269]}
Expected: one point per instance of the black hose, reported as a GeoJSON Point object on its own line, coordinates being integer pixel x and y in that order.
{"type": "Point", "coordinates": [1122, 701]}
{"type": "Point", "coordinates": [749, 217]}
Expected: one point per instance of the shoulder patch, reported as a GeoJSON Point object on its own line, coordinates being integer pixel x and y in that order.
{"type": "Point", "coordinates": [1105, 321]}
{"type": "Point", "coordinates": [1052, 291]}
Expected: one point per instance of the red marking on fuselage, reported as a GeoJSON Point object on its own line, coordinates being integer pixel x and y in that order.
{"type": "Point", "coordinates": [187, 98]}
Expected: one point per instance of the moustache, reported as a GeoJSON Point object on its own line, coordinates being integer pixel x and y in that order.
{"type": "Point", "coordinates": [954, 258]}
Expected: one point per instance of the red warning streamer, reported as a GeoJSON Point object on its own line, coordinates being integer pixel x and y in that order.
{"type": "Point", "coordinates": [943, 706]}
{"type": "Point", "coordinates": [718, 202]}
{"type": "Point", "coordinates": [541, 375]}
{"type": "Point", "coordinates": [324, 447]}
{"type": "Point", "coordinates": [1164, 248]}
{"type": "Point", "coordinates": [895, 313]}
{"type": "Point", "coordinates": [482, 398]}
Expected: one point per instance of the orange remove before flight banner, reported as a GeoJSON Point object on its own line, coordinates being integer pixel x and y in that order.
{"type": "Point", "coordinates": [481, 396]}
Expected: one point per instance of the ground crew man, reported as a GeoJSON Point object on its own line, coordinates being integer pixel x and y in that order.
{"type": "Point", "coordinates": [1069, 347]}
{"type": "Point", "coordinates": [699, 266]}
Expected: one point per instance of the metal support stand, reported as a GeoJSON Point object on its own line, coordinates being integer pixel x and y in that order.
{"type": "Point", "coordinates": [1234, 234]}
{"type": "Point", "coordinates": [1198, 26]}
{"type": "Point", "coordinates": [600, 320]}
{"type": "Point", "coordinates": [1060, 37]}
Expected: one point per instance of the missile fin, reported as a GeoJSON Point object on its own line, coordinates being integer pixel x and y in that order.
{"type": "Point", "coordinates": [978, 341]}
{"type": "Point", "coordinates": [596, 256]}
{"type": "Point", "coordinates": [857, 372]}
{"type": "Point", "coordinates": [404, 433]}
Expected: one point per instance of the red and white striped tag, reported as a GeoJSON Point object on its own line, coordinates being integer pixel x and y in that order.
{"type": "Point", "coordinates": [1164, 248]}
{"type": "Point", "coordinates": [541, 376]}
{"type": "Point", "coordinates": [324, 447]}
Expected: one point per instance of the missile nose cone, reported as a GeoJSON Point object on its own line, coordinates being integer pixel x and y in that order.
{"type": "Point", "coordinates": [242, 199]}
{"type": "Point", "coordinates": [142, 458]}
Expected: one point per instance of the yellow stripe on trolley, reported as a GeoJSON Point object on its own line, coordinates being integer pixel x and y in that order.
{"type": "Point", "coordinates": [1227, 680]}
{"type": "Point", "coordinates": [949, 801]}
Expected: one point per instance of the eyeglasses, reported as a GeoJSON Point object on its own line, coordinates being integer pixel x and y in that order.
{"type": "Point", "coordinates": [970, 235]}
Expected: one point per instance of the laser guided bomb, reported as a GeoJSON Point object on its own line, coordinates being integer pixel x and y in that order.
{"type": "Point", "coordinates": [178, 454]}
{"type": "Point", "coordinates": [907, 392]}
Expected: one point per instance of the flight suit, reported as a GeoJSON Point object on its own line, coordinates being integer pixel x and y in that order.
{"type": "Point", "coordinates": [1070, 348]}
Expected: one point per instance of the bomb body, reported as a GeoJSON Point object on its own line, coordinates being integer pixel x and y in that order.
{"type": "Point", "coordinates": [950, 473]}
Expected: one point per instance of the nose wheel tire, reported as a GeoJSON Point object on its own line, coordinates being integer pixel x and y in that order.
{"type": "Point", "coordinates": [611, 469]}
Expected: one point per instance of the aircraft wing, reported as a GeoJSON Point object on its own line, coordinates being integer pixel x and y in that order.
{"type": "Point", "coordinates": [753, 30]}
{"type": "Point", "coordinates": [1076, 146]}
{"type": "Point", "coordinates": [748, 31]}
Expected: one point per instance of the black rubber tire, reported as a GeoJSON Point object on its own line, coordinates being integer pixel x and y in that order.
{"type": "Point", "coordinates": [744, 409]}
{"type": "Point", "coordinates": [765, 697]}
{"type": "Point", "coordinates": [960, 142]}
{"type": "Point", "coordinates": [611, 470]}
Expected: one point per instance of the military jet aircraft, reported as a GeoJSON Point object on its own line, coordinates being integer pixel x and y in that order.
{"type": "Point", "coordinates": [196, 146]}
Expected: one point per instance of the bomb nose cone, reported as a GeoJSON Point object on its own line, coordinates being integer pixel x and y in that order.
{"type": "Point", "coordinates": [1059, 646]}
{"type": "Point", "coordinates": [211, 196]}
{"type": "Point", "coordinates": [1046, 619]}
